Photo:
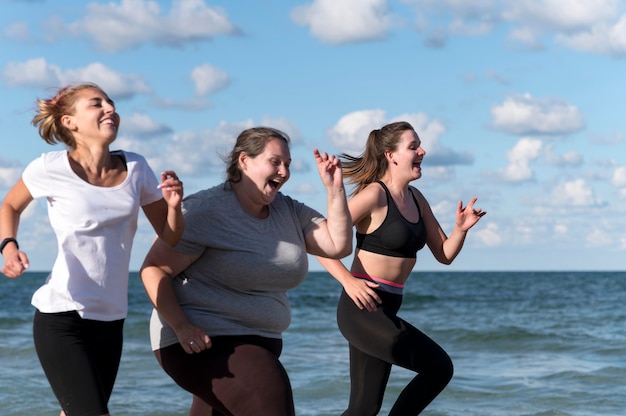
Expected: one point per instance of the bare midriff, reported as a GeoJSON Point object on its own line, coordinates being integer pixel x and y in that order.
{"type": "Point", "coordinates": [392, 269]}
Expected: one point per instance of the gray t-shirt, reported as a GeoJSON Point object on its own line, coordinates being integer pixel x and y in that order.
{"type": "Point", "coordinates": [238, 285]}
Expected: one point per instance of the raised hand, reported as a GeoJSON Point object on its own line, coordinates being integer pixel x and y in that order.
{"type": "Point", "coordinates": [171, 187]}
{"type": "Point", "coordinates": [468, 216]}
{"type": "Point", "coordinates": [329, 167]}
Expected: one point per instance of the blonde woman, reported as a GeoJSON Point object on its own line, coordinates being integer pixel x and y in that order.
{"type": "Point", "coordinates": [93, 196]}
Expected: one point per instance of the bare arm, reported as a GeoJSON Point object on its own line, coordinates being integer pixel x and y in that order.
{"type": "Point", "coordinates": [160, 265]}
{"type": "Point", "coordinates": [360, 291]}
{"type": "Point", "coordinates": [444, 248]}
{"type": "Point", "coordinates": [166, 215]}
{"type": "Point", "coordinates": [333, 237]}
{"type": "Point", "coordinates": [16, 200]}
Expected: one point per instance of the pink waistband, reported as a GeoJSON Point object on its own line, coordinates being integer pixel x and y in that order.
{"type": "Point", "coordinates": [375, 279]}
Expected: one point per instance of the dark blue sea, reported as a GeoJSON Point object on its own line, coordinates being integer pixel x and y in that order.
{"type": "Point", "coordinates": [522, 343]}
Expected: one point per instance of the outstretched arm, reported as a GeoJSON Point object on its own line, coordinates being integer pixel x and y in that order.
{"type": "Point", "coordinates": [444, 248]}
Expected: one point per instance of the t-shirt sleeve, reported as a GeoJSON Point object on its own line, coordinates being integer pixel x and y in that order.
{"type": "Point", "coordinates": [149, 191]}
{"type": "Point", "coordinates": [34, 177]}
{"type": "Point", "coordinates": [309, 217]}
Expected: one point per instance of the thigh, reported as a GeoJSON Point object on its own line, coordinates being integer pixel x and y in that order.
{"type": "Point", "coordinates": [372, 332]}
{"type": "Point", "coordinates": [386, 336]}
{"type": "Point", "coordinates": [68, 360]}
{"type": "Point", "coordinates": [233, 377]}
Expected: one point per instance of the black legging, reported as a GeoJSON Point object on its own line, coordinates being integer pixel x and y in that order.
{"type": "Point", "coordinates": [80, 358]}
{"type": "Point", "coordinates": [238, 375]}
{"type": "Point", "coordinates": [379, 339]}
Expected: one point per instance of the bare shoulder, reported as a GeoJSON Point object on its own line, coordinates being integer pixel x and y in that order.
{"type": "Point", "coordinates": [373, 196]}
{"type": "Point", "coordinates": [368, 203]}
{"type": "Point", "coordinates": [419, 196]}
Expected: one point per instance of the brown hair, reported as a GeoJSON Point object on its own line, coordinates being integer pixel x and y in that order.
{"type": "Point", "coordinates": [371, 165]}
{"type": "Point", "coordinates": [49, 113]}
{"type": "Point", "coordinates": [251, 141]}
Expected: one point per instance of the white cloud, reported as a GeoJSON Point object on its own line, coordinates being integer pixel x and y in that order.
{"type": "Point", "coordinates": [524, 152]}
{"type": "Point", "coordinates": [560, 229]}
{"type": "Point", "coordinates": [609, 139]}
{"type": "Point", "coordinates": [286, 126]}
{"type": "Point", "coordinates": [594, 26]}
{"type": "Point", "coordinates": [32, 73]}
{"type": "Point", "coordinates": [115, 84]}
{"type": "Point", "coordinates": [598, 238]}
{"type": "Point", "coordinates": [567, 159]}
{"type": "Point", "coordinates": [38, 73]}
{"type": "Point", "coordinates": [143, 125]}
{"type": "Point", "coordinates": [602, 38]}
{"type": "Point", "coordinates": [439, 172]}
{"type": "Point", "coordinates": [130, 23]}
{"type": "Point", "coordinates": [208, 79]}
{"type": "Point", "coordinates": [10, 172]}
{"type": "Point", "coordinates": [306, 188]}
{"type": "Point", "coordinates": [199, 153]}
{"type": "Point", "coordinates": [575, 193]}
{"type": "Point", "coordinates": [350, 133]}
{"type": "Point", "coordinates": [345, 21]}
{"type": "Point", "coordinates": [560, 15]}
{"type": "Point", "coordinates": [489, 235]}
{"type": "Point", "coordinates": [619, 177]}
{"type": "Point", "coordinates": [17, 31]}
{"type": "Point", "coordinates": [189, 104]}
{"type": "Point", "coordinates": [527, 115]}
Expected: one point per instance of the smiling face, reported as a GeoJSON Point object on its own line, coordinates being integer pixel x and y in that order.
{"type": "Point", "coordinates": [266, 173]}
{"type": "Point", "coordinates": [93, 117]}
{"type": "Point", "coordinates": [407, 158]}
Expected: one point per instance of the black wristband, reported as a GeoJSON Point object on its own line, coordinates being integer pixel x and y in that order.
{"type": "Point", "coordinates": [7, 241]}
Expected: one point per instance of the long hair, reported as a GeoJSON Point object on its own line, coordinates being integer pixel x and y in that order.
{"type": "Point", "coordinates": [372, 164]}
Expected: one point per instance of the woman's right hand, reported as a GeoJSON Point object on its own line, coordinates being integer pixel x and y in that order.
{"type": "Point", "coordinates": [15, 262]}
{"type": "Point", "coordinates": [192, 338]}
{"type": "Point", "coordinates": [362, 294]}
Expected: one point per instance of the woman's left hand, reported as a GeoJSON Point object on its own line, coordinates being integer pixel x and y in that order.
{"type": "Point", "coordinates": [468, 216]}
{"type": "Point", "coordinates": [171, 187]}
{"type": "Point", "coordinates": [329, 167]}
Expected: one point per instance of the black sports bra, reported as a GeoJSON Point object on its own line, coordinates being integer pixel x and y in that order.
{"type": "Point", "coordinates": [396, 237]}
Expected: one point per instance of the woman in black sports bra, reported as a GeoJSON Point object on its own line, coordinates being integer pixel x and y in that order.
{"type": "Point", "coordinates": [393, 221]}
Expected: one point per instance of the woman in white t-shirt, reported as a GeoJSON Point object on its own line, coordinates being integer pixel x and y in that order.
{"type": "Point", "coordinates": [93, 198]}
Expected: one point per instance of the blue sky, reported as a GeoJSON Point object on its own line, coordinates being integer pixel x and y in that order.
{"type": "Point", "coordinates": [519, 103]}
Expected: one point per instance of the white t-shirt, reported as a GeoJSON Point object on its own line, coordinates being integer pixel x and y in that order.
{"type": "Point", "coordinates": [94, 227]}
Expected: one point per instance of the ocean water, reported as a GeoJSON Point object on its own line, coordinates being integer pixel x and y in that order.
{"type": "Point", "coordinates": [522, 343]}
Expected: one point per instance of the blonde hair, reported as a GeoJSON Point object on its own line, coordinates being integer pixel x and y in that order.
{"type": "Point", "coordinates": [372, 164]}
{"type": "Point", "coordinates": [51, 110]}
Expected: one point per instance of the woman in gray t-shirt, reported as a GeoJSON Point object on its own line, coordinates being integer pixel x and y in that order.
{"type": "Point", "coordinates": [220, 294]}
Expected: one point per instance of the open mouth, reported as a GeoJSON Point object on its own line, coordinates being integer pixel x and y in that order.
{"type": "Point", "coordinates": [275, 184]}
